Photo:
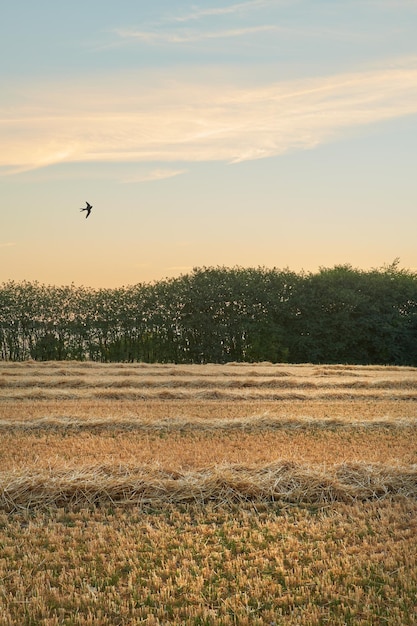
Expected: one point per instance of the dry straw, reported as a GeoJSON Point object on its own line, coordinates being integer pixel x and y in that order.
{"type": "Point", "coordinates": [224, 485]}
{"type": "Point", "coordinates": [249, 424]}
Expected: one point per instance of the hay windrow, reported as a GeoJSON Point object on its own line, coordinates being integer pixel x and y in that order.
{"type": "Point", "coordinates": [224, 485]}
{"type": "Point", "coordinates": [229, 382]}
{"type": "Point", "coordinates": [255, 394]}
{"type": "Point", "coordinates": [134, 414]}
{"type": "Point", "coordinates": [256, 423]}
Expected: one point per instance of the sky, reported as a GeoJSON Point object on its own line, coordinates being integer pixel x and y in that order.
{"type": "Point", "coordinates": [273, 133]}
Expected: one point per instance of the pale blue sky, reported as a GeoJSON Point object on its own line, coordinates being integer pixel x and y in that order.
{"type": "Point", "coordinates": [274, 133]}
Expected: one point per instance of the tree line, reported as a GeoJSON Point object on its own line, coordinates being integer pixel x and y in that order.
{"type": "Point", "coordinates": [218, 315]}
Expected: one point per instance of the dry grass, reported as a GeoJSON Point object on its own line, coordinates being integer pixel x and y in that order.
{"type": "Point", "coordinates": [224, 484]}
{"type": "Point", "coordinates": [204, 429]}
{"type": "Point", "coordinates": [117, 411]}
{"type": "Point", "coordinates": [196, 449]}
{"type": "Point", "coordinates": [256, 423]}
{"type": "Point", "coordinates": [207, 495]}
{"type": "Point", "coordinates": [346, 564]}
{"type": "Point", "coordinates": [48, 381]}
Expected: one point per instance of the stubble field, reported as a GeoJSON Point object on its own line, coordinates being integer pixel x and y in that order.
{"type": "Point", "coordinates": [212, 494]}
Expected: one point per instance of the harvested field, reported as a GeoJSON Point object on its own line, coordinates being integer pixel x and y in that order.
{"type": "Point", "coordinates": [212, 494]}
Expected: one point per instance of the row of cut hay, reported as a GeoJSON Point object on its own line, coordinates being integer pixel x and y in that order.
{"type": "Point", "coordinates": [225, 382]}
{"type": "Point", "coordinates": [182, 381]}
{"type": "Point", "coordinates": [223, 485]}
{"type": "Point", "coordinates": [193, 381]}
{"type": "Point", "coordinates": [256, 423]}
{"type": "Point", "coordinates": [90, 370]}
{"type": "Point", "coordinates": [171, 371]}
{"type": "Point", "coordinates": [86, 408]}
{"type": "Point", "coordinates": [184, 393]}
{"type": "Point", "coordinates": [139, 382]}
{"type": "Point", "coordinates": [230, 364]}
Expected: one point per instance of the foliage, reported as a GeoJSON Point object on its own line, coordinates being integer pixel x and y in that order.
{"type": "Point", "coordinates": [218, 315]}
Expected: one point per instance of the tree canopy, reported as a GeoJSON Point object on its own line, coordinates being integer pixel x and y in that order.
{"type": "Point", "coordinates": [217, 315]}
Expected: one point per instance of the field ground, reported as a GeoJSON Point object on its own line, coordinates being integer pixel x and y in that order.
{"type": "Point", "coordinates": [207, 495]}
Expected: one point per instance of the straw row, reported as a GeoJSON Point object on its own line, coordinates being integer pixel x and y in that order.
{"type": "Point", "coordinates": [188, 382]}
{"type": "Point", "coordinates": [224, 485]}
{"type": "Point", "coordinates": [251, 424]}
{"type": "Point", "coordinates": [36, 394]}
{"type": "Point", "coordinates": [235, 366]}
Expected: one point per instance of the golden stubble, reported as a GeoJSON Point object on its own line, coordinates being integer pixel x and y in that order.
{"type": "Point", "coordinates": [238, 494]}
{"type": "Point", "coordinates": [192, 566]}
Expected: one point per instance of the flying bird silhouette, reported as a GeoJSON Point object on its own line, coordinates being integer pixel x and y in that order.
{"type": "Point", "coordinates": [87, 208]}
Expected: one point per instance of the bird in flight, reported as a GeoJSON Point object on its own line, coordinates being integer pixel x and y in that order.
{"type": "Point", "coordinates": [87, 208]}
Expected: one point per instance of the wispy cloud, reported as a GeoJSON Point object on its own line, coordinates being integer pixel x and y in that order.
{"type": "Point", "coordinates": [153, 175]}
{"type": "Point", "coordinates": [191, 36]}
{"type": "Point", "coordinates": [8, 244]}
{"type": "Point", "coordinates": [227, 10]}
{"type": "Point", "coordinates": [172, 122]}
{"type": "Point", "coordinates": [160, 31]}
{"type": "Point", "coordinates": [393, 4]}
